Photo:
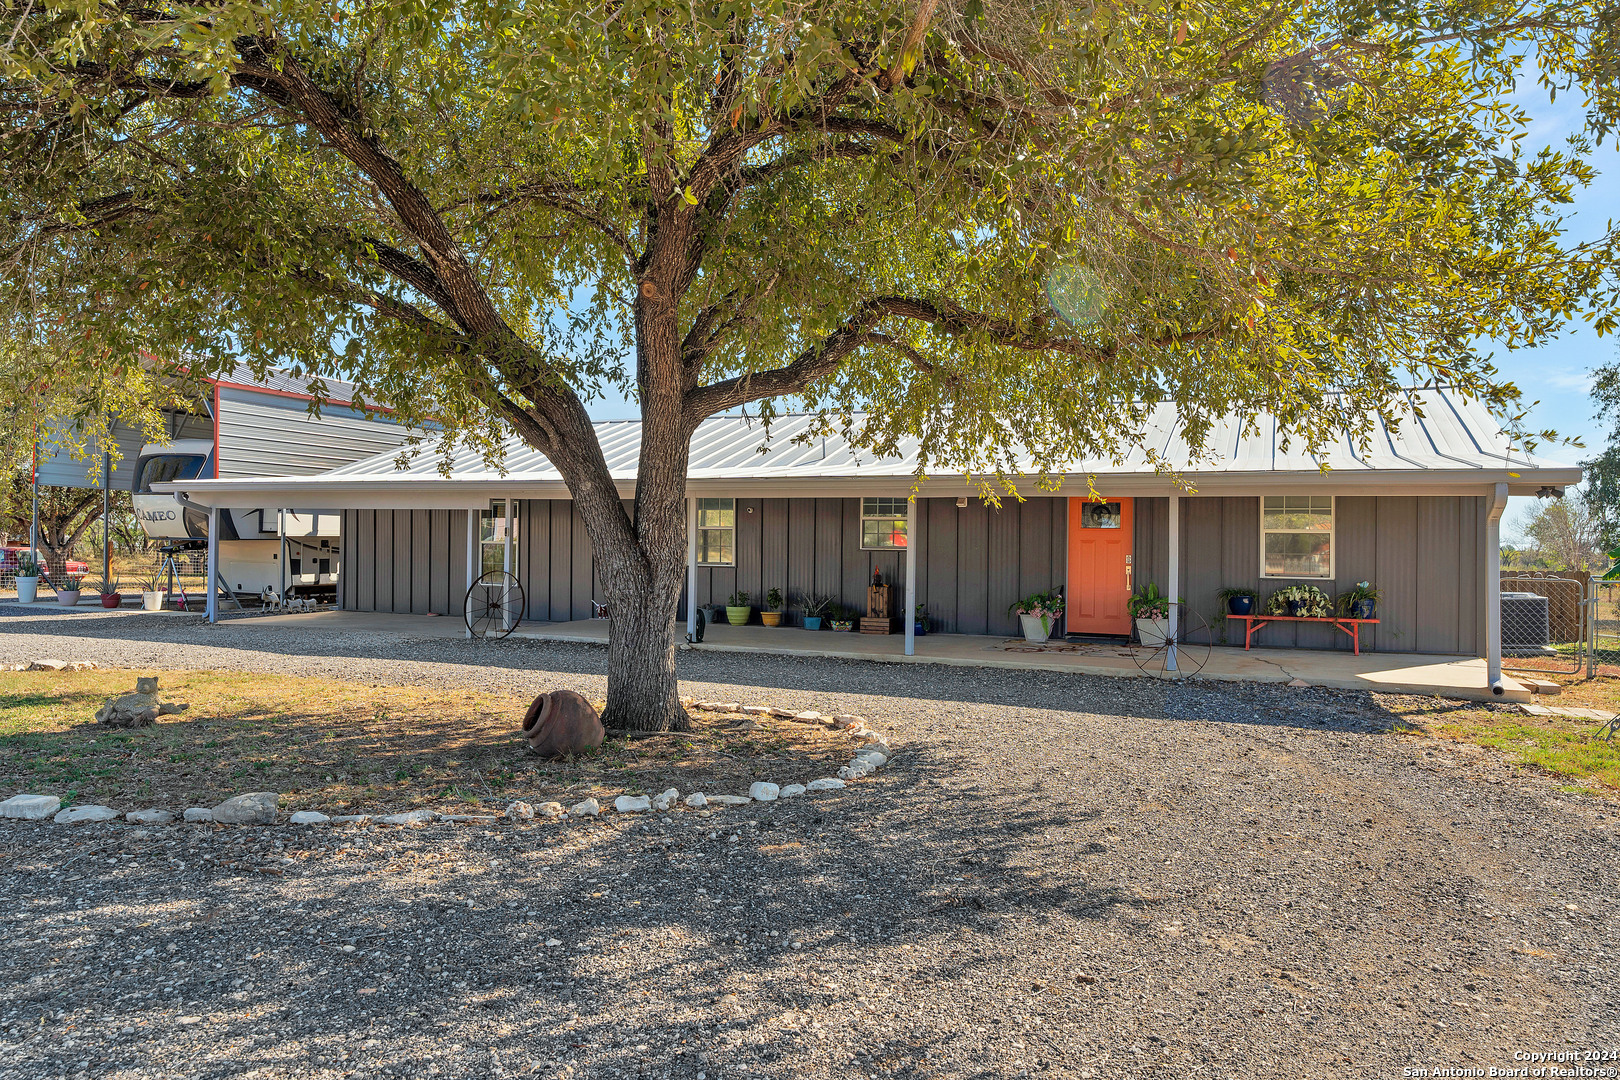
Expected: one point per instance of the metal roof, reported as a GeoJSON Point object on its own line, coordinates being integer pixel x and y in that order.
{"type": "Point", "coordinates": [1456, 441]}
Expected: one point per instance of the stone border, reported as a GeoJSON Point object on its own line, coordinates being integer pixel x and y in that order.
{"type": "Point", "coordinates": [261, 807]}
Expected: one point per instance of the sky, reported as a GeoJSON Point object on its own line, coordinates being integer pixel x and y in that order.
{"type": "Point", "coordinates": [1556, 375]}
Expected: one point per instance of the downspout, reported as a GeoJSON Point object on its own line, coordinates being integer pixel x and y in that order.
{"type": "Point", "coordinates": [1491, 566]}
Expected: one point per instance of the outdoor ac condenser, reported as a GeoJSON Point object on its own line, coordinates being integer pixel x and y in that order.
{"type": "Point", "coordinates": [1526, 624]}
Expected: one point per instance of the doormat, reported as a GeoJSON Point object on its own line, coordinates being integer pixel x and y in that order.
{"type": "Point", "coordinates": [1074, 648]}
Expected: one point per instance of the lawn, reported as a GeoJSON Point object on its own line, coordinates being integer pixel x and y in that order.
{"type": "Point", "coordinates": [1561, 746]}
{"type": "Point", "coordinates": [346, 747]}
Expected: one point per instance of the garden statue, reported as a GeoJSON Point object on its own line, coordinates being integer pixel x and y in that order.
{"type": "Point", "coordinates": [138, 709]}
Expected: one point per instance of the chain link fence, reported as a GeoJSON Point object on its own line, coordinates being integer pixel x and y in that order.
{"type": "Point", "coordinates": [1603, 653]}
{"type": "Point", "coordinates": [1545, 621]}
{"type": "Point", "coordinates": [132, 573]}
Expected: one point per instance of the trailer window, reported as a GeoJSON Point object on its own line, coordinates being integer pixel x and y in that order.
{"type": "Point", "coordinates": [166, 468]}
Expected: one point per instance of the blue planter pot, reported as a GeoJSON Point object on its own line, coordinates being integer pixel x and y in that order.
{"type": "Point", "coordinates": [1363, 609]}
{"type": "Point", "coordinates": [1240, 605]}
{"type": "Point", "coordinates": [812, 622]}
{"type": "Point", "coordinates": [920, 628]}
{"type": "Point", "coordinates": [1296, 608]}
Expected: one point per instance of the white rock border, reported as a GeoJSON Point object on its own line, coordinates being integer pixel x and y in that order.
{"type": "Point", "coordinates": [874, 754]}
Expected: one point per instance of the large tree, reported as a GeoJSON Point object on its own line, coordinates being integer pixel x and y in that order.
{"type": "Point", "coordinates": [1004, 229]}
{"type": "Point", "coordinates": [1601, 490]}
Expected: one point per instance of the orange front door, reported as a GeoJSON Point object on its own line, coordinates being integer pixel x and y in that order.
{"type": "Point", "coordinates": [1100, 551]}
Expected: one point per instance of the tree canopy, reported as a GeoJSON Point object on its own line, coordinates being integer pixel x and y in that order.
{"type": "Point", "coordinates": [1006, 229]}
{"type": "Point", "coordinates": [1601, 489]}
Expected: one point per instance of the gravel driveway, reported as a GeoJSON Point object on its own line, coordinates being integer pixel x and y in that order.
{"type": "Point", "coordinates": [1060, 876]}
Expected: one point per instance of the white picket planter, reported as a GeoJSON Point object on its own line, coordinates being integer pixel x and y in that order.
{"type": "Point", "coordinates": [1037, 628]}
{"type": "Point", "coordinates": [1152, 631]}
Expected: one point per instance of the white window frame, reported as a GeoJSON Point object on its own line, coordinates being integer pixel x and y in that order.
{"type": "Point", "coordinates": [702, 528]}
{"type": "Point", "coordinates": [1332, 535]}
{"type": "Point", "coordinates": [901, 517]}
{"type": "Point", "coordinates": [497, 529]}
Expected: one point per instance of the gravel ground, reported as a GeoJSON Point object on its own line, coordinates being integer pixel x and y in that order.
{"type": "Point", "coordinates": [1060, 875]}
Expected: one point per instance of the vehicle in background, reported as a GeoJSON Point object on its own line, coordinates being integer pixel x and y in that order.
{"type": "Point", "coordinates": [251, 540]}
{"type": "Point", "coordinates": [11, 556]}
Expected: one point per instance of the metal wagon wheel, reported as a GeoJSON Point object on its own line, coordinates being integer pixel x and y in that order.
{"type": "Point", "coordinates": [494, 605]}
{"type": "Point", "coordinates": [1181, 654]}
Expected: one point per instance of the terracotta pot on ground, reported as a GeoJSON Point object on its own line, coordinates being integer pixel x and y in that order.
{"type": "Point", "coordinates": [771, 618]}
{"type": "Point", "coordinates": [562, 722]}
{"type": "Point", "coordinates": [111, 600]}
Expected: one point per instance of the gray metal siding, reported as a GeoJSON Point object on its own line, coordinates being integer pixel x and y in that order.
{"type": "Point", "coordinates": [1419, 551]}
{"type": "Point", "coordinates": [267, 435]}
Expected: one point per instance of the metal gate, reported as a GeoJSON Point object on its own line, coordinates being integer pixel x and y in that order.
{"type": "Point", "coordinates": [1546, 622]}
{"type": "Point", "coordinates": [1603, 637]}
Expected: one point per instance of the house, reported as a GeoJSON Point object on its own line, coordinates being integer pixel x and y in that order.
{"type": "Point", "coordinates": [1417, 513]}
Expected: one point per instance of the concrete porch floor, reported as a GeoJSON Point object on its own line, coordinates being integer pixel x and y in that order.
{"type": "Point", "coordinates": [1398, 673]}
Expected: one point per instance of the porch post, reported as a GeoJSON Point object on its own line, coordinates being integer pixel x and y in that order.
{"type": "Point", "coordinates": [472, 553]}
{"type": "Point", "coordinates": [212, 606]}
{"type": "Point", "coordinates": [506, 557]}
{"type": "Point", "coordinates": [1491, 566]}
{"type": "Point", "coordinates": [106, 519]}
{"type": "Point", "coordinates": [281, 552]}
{"type": "Point", "coordinates": [911, 577]}
{"type": "Point", "coordinates": [1174, 587]}
{"type": "Point", "coordinates": [691, 567]}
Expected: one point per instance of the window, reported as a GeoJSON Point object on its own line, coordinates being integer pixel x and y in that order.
{"type": "Point", "coordinates": [717, 532]}
{"type": "Point", "coordinates": [1296, 536]}
{"type": "Point", "coordinates": [1104, 515]}
{"type": "Point", "coordinates": [883, 523]}
{"type": "Point", "coordinates": [492, 538]}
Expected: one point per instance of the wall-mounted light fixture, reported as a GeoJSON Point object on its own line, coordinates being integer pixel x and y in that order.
{"type": "Point", "coordinates": [961, 502]}
{"type": "Point", "coordinates": [1548, 491]}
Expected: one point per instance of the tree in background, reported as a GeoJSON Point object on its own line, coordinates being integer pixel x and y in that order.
{"type": "Point", "coordinates": [1600, 488]}
{"type": "Point", "coordinates": [66, 516]}
{"type": "Point", "coordinates": [1558, 534]}
{"type": "Point", "coordinates": [1005, 231]}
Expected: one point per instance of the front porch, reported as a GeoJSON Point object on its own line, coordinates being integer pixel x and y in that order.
{"type": "Point", "coordinates": [1395, 673]}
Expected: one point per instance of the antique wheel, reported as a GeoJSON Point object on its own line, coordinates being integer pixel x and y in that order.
{"type": "Point", "coordinates": [1183, 653]}
{"type": "Point", "coordinates": [494, 605]}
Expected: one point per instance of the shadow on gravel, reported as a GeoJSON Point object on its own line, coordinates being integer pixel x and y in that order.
{"type": "Point", "coordinates": [1218, 702]}
{"type": "Point", "coordinates": [675, 941]}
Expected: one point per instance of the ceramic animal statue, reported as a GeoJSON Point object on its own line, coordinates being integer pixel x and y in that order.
{"type": "Point", "coordinates": [140, 709]}
{"type": "Point", "coordinates": [561, 723]}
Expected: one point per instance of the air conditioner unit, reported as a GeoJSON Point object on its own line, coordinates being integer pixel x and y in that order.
{"type": "Point", "coordinates": [1526, 624]}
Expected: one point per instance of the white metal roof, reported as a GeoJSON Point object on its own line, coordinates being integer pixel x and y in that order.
{"type": "Point", "coordinates": [1457, 444]}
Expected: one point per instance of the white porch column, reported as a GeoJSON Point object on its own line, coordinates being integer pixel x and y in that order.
{"type": "Point", "coordinates": [1491, 566]}
{"type": "Point", "coordinates": [506, 559]}
{"type": "Point", "coordinates": [472, 554]}
{"type": "Point", "coordinates": [691, 567]}
{"type": "Point", "coordinates": [909, 614]}
{"type": "Point", "coordinates": [212, 606]}
{"type": "Point", "coordinates": [281, 550]}
{"type": "Point", "coordinates": [1174, 586]}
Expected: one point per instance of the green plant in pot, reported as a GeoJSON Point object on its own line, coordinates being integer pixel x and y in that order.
{"type": "Point", "coordinates": [738, 611]}
{"type": "Point", "coordinates": [1360, 602]}
{"type": "Point", "coordinates": [1149, 609]}
{"type": "Point", "coordinates": [772, 615]}
{"type": "Point", "coordinates": [841, 617]}
{"type": "Point", "coordinates": [919, 621]}
{"type": "Point", "coordinates": [27, 579]}
{"type": "Point", "coordinates": [72, 588]}
{"type": "Point", "coordinates": [1236, 601]}
{"type": "Point", "coordinates": [816, 606]}
{"type": "Point", "coordinates": [108, 591]}
{"type": "Point", "coordinates": [1038, 614]}
{"type": "Point", "coordinates": [1299, 602]}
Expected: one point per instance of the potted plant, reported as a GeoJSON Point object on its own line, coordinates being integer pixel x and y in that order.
{"type": "Point", "coordinates": [841, 618]}
{"type": "Point", "coordinates": [110, 596]}
{"type": "Point", "coordinates": [1238, 601]}
{"type": "Point", "coordinates": [1149, 609]}
{"type": "Point", "coordinates": [1299, 602]}
{"type": "Point", "coordinates": [27, 579]}
{"type": "Point", "coordinates": [1360, 602]}
{"type": "Point", "coordinates": [711, 612]}
{"type": "Point", "coordinates": [1038, 614]}
{"type": "Point", "coordinates": [738, 611]}
{"type": "Point", "coordinates": [69, 596]}
{"type": "Point", "coordinates": [773, 603]}
{"type": "Point", "coordinates": [919, 621]}
{"type": "Point", "coordinates": [816, 606]}
{"type": "Point", "coordinates": [152, 594]}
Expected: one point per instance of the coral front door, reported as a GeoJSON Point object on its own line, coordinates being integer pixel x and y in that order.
{"type": "Point", "coordinates": [1100, 553]}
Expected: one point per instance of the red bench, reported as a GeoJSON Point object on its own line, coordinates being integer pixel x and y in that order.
{"type": "Point", "coordinates": [1349, 626]}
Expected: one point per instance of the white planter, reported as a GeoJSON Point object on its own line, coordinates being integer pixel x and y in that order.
{"type": "Point", "coordinates": [1152, 631]}
{"type": "Point", "coordinates": [67, 597]}
{"type": "Point", "coordinates": [27, 590]}
{"type": "Point", "coordinates": [1037, 627]}
{"type": "Point", "coordinates": [152, 601]}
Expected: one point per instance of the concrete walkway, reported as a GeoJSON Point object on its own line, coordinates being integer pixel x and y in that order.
{"type": "Point", "coordinates": [1396, 673]}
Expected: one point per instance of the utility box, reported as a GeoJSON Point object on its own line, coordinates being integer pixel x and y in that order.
{"type": "Point", "coordinates": [1526, 624]}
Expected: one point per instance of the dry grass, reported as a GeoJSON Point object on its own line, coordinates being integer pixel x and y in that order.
{"type": "Point", "coordinates": [357, 748]}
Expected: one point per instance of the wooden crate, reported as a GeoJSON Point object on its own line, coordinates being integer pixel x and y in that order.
{"type": "Point", "coordinates": [880, 602]}
{"type": "Point", "coordinates": [870, 625]}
